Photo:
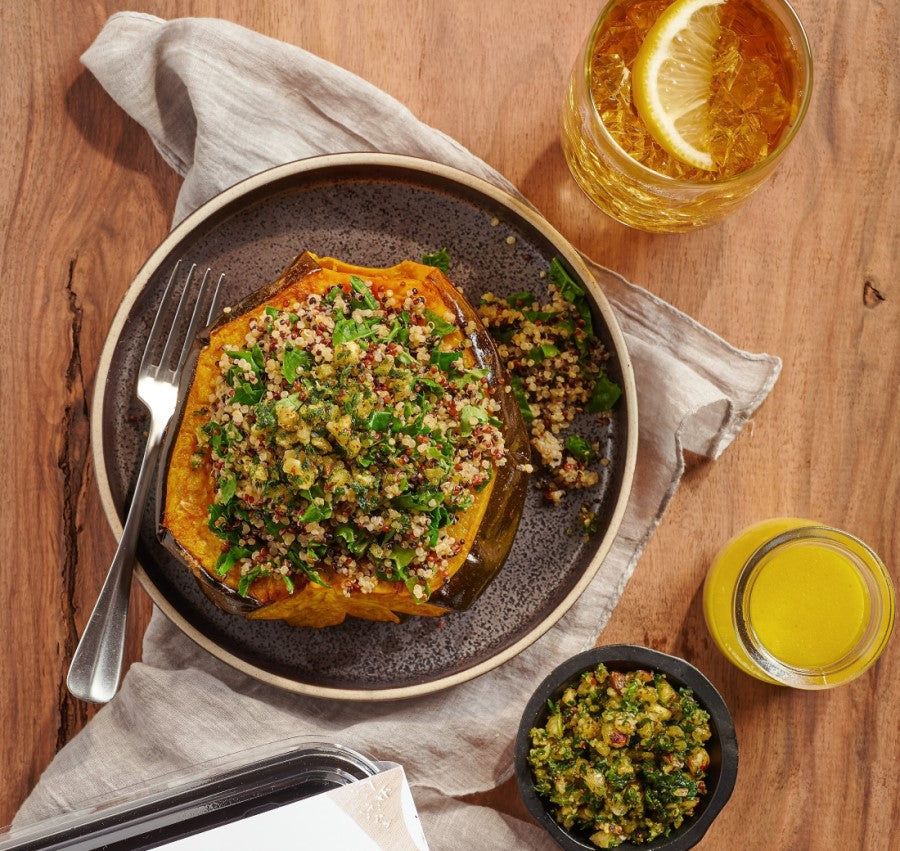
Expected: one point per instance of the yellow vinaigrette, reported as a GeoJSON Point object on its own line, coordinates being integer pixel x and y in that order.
{"type": "Point", "coordinates": [809, 609]}
{"type": "Point", "coordinates": [793, 602]}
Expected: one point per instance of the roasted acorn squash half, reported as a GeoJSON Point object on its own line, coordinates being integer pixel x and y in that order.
{"type": "Point", "coordinates": [320, 465]}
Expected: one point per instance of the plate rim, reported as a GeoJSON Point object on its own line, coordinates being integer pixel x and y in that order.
{"type": "Point", "coordinates": [454, 175]}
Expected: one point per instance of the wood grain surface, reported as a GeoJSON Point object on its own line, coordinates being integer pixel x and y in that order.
{"type": "Point", "coordinates": [807, 270]}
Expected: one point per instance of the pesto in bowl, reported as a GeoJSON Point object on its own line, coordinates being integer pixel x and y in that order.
{"type": "Point", "coordinates": [621, 756]}
{"type": "Point", "coordinates": [624, 746]}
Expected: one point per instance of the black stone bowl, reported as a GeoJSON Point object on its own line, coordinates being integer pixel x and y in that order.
{"type": "Point", "coordinates": [722, 746]}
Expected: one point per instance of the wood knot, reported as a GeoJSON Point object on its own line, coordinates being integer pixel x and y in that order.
{"type": "Point", "coordinates": [872, 297]}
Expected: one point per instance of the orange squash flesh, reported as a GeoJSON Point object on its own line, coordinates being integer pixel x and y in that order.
{"type": "Point", "coordinates": [190, 492]}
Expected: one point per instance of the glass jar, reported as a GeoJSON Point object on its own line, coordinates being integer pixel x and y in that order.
{"type": "Point", "coordinates": [793, 602]}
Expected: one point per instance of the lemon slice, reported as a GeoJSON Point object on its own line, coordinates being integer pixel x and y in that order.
{"type": "Point", "coordinates": [672, 77]}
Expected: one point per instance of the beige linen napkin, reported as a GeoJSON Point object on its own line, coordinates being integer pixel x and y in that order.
{"type": "Point", "coordinates": [221, 103]}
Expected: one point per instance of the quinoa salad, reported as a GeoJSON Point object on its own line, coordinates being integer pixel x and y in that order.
{"type": "Point", "coordinates": [556, 367]}
{"type": "Point", "coordinates": [345, 438]}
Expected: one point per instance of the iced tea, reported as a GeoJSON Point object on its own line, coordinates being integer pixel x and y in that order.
{"type": "Point", "coordinates": [758, 93]}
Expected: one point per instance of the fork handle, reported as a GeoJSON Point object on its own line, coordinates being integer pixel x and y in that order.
{"type": "Point", "coordinates": [96, 666]}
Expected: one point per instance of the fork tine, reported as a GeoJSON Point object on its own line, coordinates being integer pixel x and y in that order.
{"type": "Point", "coordinates": [214, 306]}
{"type": "Point", "coordinates": [155, 328]}
{"type": "Point", "coordinates": [194, 325]}
{"type": "Point", "coordinates": [171, 340]}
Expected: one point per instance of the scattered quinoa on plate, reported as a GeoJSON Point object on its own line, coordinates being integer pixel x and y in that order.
{"type": "Point", "coordinates": [556, 366]}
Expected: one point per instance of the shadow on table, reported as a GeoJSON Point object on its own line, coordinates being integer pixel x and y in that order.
{"type": "Point", "coordinates": [118, 137]}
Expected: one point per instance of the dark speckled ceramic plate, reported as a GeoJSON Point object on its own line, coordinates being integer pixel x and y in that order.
{"type": "Point", "coordinates": [372, 210]}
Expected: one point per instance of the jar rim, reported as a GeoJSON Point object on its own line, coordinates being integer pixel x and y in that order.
{"type": "Point", "coordinates": [879, 588]}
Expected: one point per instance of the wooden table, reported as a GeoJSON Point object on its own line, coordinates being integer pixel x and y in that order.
{"type": "Point", "coordinates": [807, 270]}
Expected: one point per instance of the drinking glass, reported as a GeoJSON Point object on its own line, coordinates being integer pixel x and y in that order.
{"type": "Point", "coordinates": [638, 195]}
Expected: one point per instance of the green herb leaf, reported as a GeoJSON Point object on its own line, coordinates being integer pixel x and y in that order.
{"type": "Point", "coordinates": [254, 357]}
{"type": "Point", "coordinates": [470, 415]}
{"type": "Point", "coordinates": [486, 482]}
{"type": "Point", "coordinates": [294, 361]}
{"type": "Point", "coordinates": [518, 390]}
{"type": "Point", "coordinates": [249, 394]}
{"type": "Point", "coordinates": [229, 559]}
{"type": "Point", "coordinates": [568, 288]}
{"type": "Point", "coordinates": [604, 395]}
{"type": "Point", "coordinates": [227, 488]}
{"type": "Point", "coordinates": [471, 376]}
{"type": "Point", "coordinates": [274, 312]}
{"type": "Point", "coordinates": [444, 360]}
{"type": "Point", "coordinates": [440, 259]}
{"type": "Point", "coordinates": [413, 428]}
{"type": "Point", "coordinates": [540, 353]}
{"type": "Point", "coordinates": [520, 300]}
{"type": "Point", "coordinates": [316, 552]}
{"type": "Point", "coordinates": [403, 333]}
{"type": "Point", "coordinates": [291, 402]}
{"type": "Point", "coordinates": [572, 292]}
{"type": "Point", "coordinates": [248, 579]}
{"type": "Point", "coordinates": [402, 556]}
{"type": "Point", "coordinates": [233, 375]}
{"type": "Point", "coordinates": [380, 421]}
{"type": "Point", "coordinates": [312, 574]}
{"type": "Point", "coordinates": [346, 330]}
{"type": "Point", "coordinates": [441, 327]}
{"type": "Point", "coordinates": [346, 533]}
{"type": "Point", "coordinates": [432, 385]}
{"type": "Point", "coordinates": [218, 511]}
{"type": "Point", "coordinates": [584, 311]}
{"type": "Point", "coordinates": [440, 517]}
{"type": "Point", "coordinates": [504, 333]}
{"type": "Point", "coordinates": [221, 437]}
{"type": "Point", "coordinates": [305, 568]}
{"type": "Point", "coordinates": [314, 513]}
{"type": "Point", "coordinates": [265, 415]}
{"type": "Point", "coordinates": [357, 540]}
{"type": "Point", "coordinates": [420, 500]}
{"type": "Point", "coordinates": [579, 448]}
{"type": "Point", "coordinates": [363, 289]}
{"type": "Point", "coordinates": [538, 315]}
{"type": "Point", "coordinates": [288, 582]}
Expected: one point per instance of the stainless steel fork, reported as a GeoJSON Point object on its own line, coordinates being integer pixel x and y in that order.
{"type": "Point", "coordinates": [97, 664]}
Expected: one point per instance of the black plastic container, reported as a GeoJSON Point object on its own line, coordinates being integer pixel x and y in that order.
{"type": "Point", "coordinates": [210, 795]}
